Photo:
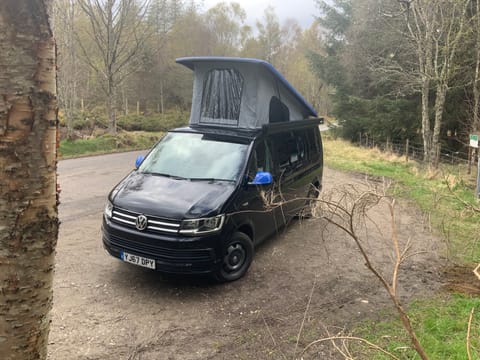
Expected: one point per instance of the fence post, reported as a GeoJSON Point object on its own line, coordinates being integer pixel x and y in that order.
{"type": "Point", "coordinates": [407, 150]}
{"type": "Point", "coordinates": [469, 169]}
{"type": "Point", "coordinates": [478, 180]}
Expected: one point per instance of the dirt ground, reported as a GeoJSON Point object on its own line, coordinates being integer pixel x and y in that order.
{"type": "Point", "coordinates": [105, 309]}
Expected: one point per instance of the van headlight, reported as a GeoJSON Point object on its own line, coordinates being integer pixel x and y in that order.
{"type": "Point", "coordinates": [202, 226]}
{"type": "Point", "coordinates": [108, 212]}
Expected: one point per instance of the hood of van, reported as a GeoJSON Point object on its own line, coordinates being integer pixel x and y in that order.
{"type": "Point", "coordinates": [171, 198]}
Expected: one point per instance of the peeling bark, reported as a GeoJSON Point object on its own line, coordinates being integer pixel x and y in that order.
{"type": "Point", "coordinates": [28, 187]}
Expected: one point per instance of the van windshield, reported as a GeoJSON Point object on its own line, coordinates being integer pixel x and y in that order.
{"type": "Point", "coordinates": [196, 157]}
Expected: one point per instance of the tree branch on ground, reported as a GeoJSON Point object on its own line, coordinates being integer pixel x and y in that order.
{"type": "Point", "coordinates": [477, 271]}
{"type": "Point", "coordinates": [467, 205]}
{"type": "Point", "coordinates": [469, 331]}
{"type": "Point", "coordinates": [349, 338]}
{"type": "Point", "coordinates": [347, 209]}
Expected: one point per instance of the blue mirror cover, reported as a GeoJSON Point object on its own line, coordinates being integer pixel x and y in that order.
{"type": "Point", "coordinates": [139, 161]}
{"type": "Point", "coordinates": [262, 178]}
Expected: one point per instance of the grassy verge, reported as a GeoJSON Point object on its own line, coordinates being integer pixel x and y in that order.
{"type": "Point", "coordinates": [135, 140]}
{"type": "Point", "coordinates": [447, 199]}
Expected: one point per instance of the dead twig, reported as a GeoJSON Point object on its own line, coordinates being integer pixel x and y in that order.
{"type": "Point", "coordinates": [477, 271]}
{"type": "Point", "coordinates": [305, 315]}
{"type": "Point", "coordinates": [353, 338]}
{"type": "Point", "coordinates": [469, 331]}
{"type": "Point", "coordinates": [467, 205]}
{"type": "Point", "coordinates": [272, 337]}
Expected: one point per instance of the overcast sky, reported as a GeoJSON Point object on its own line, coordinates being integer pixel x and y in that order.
{"type": "Point", "coordinates": [301, 10]}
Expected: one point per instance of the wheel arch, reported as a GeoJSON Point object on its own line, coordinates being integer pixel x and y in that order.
{"type": "Point", "coordinates": [248, 230]}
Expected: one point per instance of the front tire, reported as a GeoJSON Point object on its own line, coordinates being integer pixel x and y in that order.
{"type": "Point", "coordinates": [236, 259]}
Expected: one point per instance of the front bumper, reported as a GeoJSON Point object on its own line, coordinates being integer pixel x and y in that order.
{"type": "Point", "coordinates": [172, 254]}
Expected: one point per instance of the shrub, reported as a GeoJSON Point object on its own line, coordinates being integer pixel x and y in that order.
{"type": "Point", "coordinates": [153, 122]}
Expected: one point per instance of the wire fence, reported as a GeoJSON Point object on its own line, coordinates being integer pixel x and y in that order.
{"type": "Point", "coordinates": [414, 151]}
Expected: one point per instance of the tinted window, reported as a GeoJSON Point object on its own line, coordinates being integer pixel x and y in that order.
{"type": "Point", "coordinates": [290, 149]}
{"type": "Point", "coordinates": [222, 96]}
{"type": "Point", "coordinates": [278, 111]}
{"type": "Point", "coordinates": [196, 156]}
{"type": "Point", "coordinates": [312, 144]}
{"type": "Point", "coordinates": [262, 160]}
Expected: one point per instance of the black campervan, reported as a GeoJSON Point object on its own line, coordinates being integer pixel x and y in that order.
{"type": "Point", "coordinates": [207, 194]}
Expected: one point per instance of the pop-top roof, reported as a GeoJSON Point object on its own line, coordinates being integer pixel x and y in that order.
{"type": "Point", "coordinates": [242, 93]}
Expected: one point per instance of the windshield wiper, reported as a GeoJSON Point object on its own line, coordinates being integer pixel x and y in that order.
{"type": "Point", "coordinates": [167, 175]}
{"type": "Point", "coordinates": [211, 179]}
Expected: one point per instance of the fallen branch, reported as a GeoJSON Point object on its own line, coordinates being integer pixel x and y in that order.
{"type": "Point", "coordinates": [467, 205]}
{"type": "Point", "coordinates": [477, 271]}
{"type": "Point", "coordinates": [271, 337]}
{"type": "Point", "coordinates": [305, 316]}
{"type": "Point", "coordinates": [344, 214]}
{"type": "Point", "coordinates": [469, 331]}
{"type": "Point", "coordinates": [354, 338]}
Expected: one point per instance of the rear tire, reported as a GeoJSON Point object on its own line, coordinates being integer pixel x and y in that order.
{"type": "Point", "coordinates": [236, 259]}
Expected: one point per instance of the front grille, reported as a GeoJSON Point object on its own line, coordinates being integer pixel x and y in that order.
{"type": "Point", "coordinates": [154, 224]}
{"type": "Point", "coordinates": [151, 248]}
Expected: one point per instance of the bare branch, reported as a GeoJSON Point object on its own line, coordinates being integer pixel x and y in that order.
{"type": "Point", "coordinates": [354, 206]}
{"type": "Point", "coordinates": [469, 330]}
{"type": "Point", "coordinates": [477, 271]}
{"type": "Point", "coordinates": [305, 316]}
{"type": "Point", "coordinates": [352, 338]}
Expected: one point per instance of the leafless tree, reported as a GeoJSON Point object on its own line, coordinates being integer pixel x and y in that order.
{"type": "Point", "coordinates": [436, 28]}
{"type": "Point", "coordinates": [117, 32]}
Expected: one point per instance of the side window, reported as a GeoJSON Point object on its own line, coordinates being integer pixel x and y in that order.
{"type": "Point", "coordinates": [290, 150]}
{"type": "Point", "coordinates": [222, 97]}
{"type": "Point", "coordinates": [312, 144]}
{"type": "Point", "coordinates": [262, 159]}
{"type": "Point", "coordinates": [278, 111]}
{"type": "Point", "coordinates": [302, 145]}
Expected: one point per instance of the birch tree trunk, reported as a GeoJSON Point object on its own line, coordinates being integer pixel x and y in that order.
{"type": "Point", "coordinates": [111, 107]}
{"type": "Point", "coordinates": [426, 132]}
{"type": "Point", "coordinates": [28, 188]}
{"type": "Point", "coordinates": [440, 97]}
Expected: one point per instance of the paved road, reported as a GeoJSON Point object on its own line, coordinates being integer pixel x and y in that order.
{"type": "Point", "coordinates": [85, 182]}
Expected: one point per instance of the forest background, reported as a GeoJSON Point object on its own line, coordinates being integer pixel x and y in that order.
{"type": "Point", "coordinates": [390, 70]}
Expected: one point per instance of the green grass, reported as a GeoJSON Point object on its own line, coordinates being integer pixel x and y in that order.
{"type": "Point", "coordinates": [441, 326]}
{"type": "Point", "coordinates": [440, 323]}
{"type": "Point", "coordinates": [124, 141]}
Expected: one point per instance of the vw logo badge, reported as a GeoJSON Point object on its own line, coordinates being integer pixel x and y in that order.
{"type": "Point", "coordinates": [141, 222]}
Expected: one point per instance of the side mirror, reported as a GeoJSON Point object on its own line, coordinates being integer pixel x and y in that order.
{"type": "Point", "coordinates": [139, 161]}
{"type": "Point", "coordinates": [262, 178]}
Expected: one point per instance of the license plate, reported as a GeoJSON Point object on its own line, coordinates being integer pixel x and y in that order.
{"type": "Point", "coordinates": [138, 260]}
